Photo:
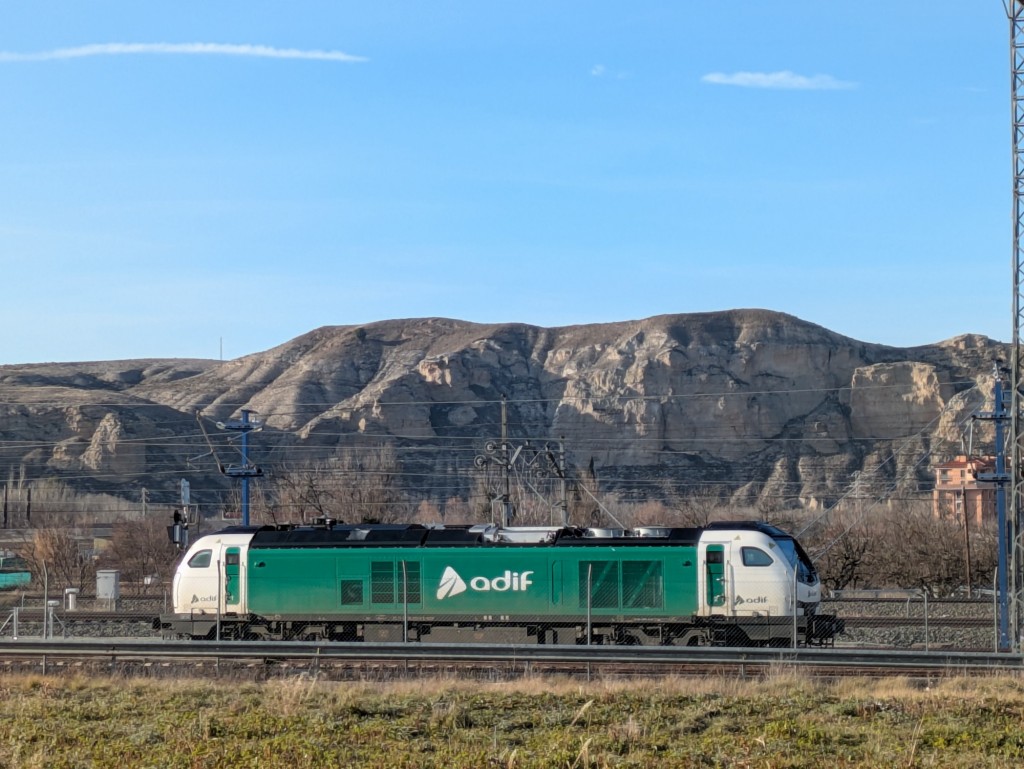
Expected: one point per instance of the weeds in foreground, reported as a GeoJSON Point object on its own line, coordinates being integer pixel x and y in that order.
{"type": "Point", "coordinates": [783, 720]}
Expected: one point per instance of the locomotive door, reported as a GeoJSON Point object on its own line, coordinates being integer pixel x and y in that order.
{"type": "Point", "coordinates": [232, 587]}
{"type": "Point", "coordinates": [715, 585]}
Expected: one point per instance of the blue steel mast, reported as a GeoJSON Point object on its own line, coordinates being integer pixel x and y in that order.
{"type": "Point", "coordinates": [246, 470]}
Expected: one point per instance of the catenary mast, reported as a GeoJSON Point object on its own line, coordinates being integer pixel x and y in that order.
{"type": "Point", "coordinates": [1015, 13]}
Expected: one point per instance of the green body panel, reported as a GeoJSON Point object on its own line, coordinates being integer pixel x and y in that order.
{"type": "Point", "coordinates": [232, 594]}
{"type": "Point", "coordinates": [479, 582]}
{"type": "Point", "coordinates": [715, 568]}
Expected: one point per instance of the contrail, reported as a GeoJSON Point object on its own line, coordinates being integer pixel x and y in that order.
{"type": "Point", "coordinates": [211, 49]}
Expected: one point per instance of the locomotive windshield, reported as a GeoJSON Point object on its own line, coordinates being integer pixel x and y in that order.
{"type": "Point", "coordinates": [796, 556]}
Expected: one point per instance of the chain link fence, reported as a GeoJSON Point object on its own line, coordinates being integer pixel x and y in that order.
{"type": "Point", "coordinates": [909, 619]}
{"type": "Point", "coordinates": [73, 614]}
{"type": "Point", "coordinates": [871, 619]}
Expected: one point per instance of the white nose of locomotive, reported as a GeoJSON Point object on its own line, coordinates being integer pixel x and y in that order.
{"type": "Point", "coordinates": [811, 594]}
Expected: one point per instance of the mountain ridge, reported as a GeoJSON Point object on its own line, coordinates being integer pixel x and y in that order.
{"type": "Point", "coordinates": [762, 403]}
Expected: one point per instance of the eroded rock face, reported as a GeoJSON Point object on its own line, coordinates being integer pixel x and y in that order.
{"type": "Point", "coordinates": [753, 400]}
{"type": "Point", "coordinates": [890, 400]}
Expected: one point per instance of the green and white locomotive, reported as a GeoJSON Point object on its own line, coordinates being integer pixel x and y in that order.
{"type": "Point", "coordinates": [729, 583]}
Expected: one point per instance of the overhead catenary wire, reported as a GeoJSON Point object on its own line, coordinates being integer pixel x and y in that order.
{"type": "Point", "coordinates": [512, 400]}
{"type": "Point", "coordinates": [824, 549]}
{"type": "Point", "coordinates": [459, 443]}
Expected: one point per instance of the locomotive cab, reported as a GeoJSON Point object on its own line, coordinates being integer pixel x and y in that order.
{"type": "Point", "coordinates": [211, 578]}
{"type": "Point", "coordinates": [754, 570]}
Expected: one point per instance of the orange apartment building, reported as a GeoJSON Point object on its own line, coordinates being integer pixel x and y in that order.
{"type": "Point", "coordinates": [958, 492]}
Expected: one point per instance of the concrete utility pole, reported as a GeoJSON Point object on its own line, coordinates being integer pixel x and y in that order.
{"type": "Point", "coordinates": [967, 534]}
{"type": "Point", "coordinates": [1001, 478]}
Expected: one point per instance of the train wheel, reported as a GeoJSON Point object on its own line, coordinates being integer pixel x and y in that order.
{"type": "Point", "coordinates": [736, 637]}
{"type": "Point", "coordinates": [625, 638]}
{"type": "Point", "coordinates": [685, 637]}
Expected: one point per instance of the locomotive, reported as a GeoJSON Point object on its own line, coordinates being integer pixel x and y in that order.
{"type": "Point", "coordinates": [727, 583]}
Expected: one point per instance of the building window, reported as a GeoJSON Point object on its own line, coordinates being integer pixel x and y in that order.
{"type": "Point", "coordinates": [944, 476]}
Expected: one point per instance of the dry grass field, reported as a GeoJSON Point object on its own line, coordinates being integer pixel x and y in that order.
{"type": "Point", "coordinates": [785, 720]}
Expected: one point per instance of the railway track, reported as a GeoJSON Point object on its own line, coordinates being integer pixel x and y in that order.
{"type": "Point", "coordinates": [345, 660]}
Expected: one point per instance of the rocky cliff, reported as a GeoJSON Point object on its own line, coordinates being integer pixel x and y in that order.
{"type": "Point", "coordinates": [758, 403]}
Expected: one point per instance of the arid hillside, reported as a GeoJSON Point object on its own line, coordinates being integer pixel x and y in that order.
{"type": "Point", "coordinates": [757, 404]}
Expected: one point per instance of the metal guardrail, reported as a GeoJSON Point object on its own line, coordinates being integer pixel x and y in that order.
{"type": "Point", "coordinates": [907, 622]}
{"type": "Point", "coordinates": [835, 659]}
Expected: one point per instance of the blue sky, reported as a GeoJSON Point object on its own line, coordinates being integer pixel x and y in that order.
{"type": "Point", "coordinates": [186, 178]}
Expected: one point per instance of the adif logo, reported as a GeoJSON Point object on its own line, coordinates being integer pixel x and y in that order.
{"type": "Point", "coordinates": [452, 584]}
{"type": "Point", "coordinates": [740, 599]}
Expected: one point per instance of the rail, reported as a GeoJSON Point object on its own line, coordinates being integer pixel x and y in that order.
{"type": "Point", "coordinates": [639, 657]}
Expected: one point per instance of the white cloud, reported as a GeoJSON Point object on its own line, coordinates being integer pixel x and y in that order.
{"type": "Point", "coordinates": [780, 80]}
{"type": "Point", "coordinates": [600, 70]}
{"type": "Point", "coordinates": [215, 49]}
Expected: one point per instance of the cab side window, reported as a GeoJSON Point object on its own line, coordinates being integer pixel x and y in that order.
{"type": "Point", "coordinates": [755, 556]}
{"type": "Point", "coordinates": [200, 560]}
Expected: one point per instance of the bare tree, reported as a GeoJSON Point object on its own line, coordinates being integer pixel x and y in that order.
{"type": "Point", "coordinates": [54, 556]}
{"type": "Point", "coordinates": [366, 485]}
{"type": "Point", "coordinates": [140, 549]}
{"type": "Point", "coordinates": [845, 546]}
{"type": "Point", "coordinates": [931, 551]}
{"type": "Point", "coordinates": [700, 507]}
{"type": "Point", "coordinates": [261, 509]}
{"type": "Point", "coordinates": [305, 493]}
{"type": "Point", "coordinates": [584, 498]}
{"type": "Point", "coordinates": [48, 502]}
{"type": "Point", "coordinates": [458, 510]}
{"type": "Point", "coordinates": [652, 513]}
{"type": "Point", "coordinates": [358, 484]}
{"type": "Point", "coordinates": [906, 548]}
{"type": "Point", "coordinates": [427, 513]}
